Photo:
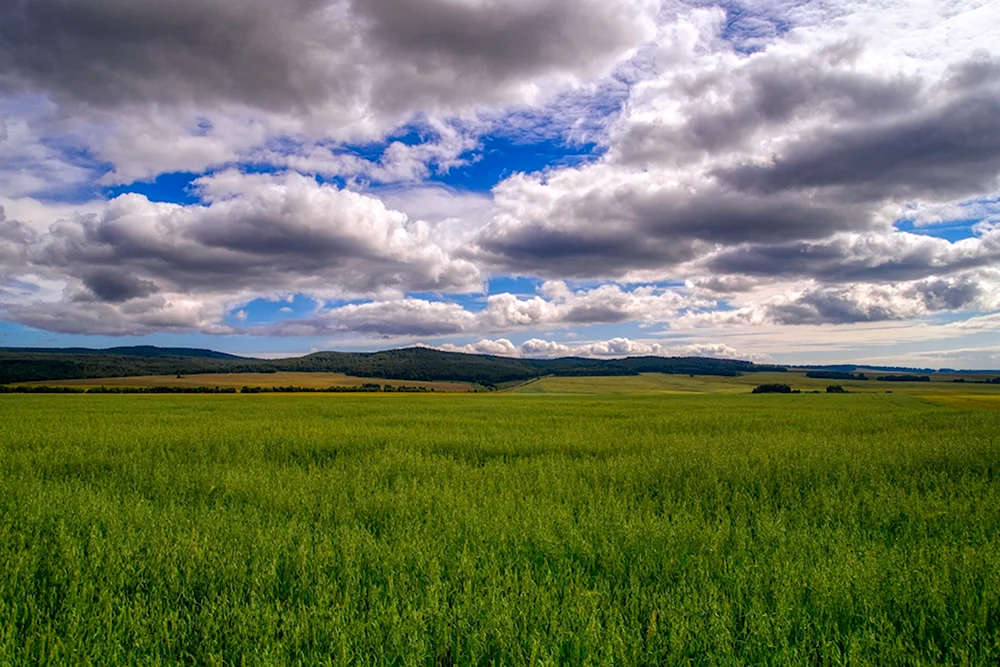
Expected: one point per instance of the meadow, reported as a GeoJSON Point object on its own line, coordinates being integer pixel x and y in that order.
{"type": "Point", "coordinates": [239, 380]}
{"type": "Point", "coordinates": [506, 529]}
{"type": "Point", "coordinates": [662, 383]}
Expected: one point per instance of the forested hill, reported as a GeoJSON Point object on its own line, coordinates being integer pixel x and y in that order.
{"type": "Point", "coordinates": [30, 364]}
{"type": "Point", "coordinates": [413, 363]}
{"type": "Point", "coordinates": [420, 363]}
{"type": "Point", "coordinates": [146, 351]}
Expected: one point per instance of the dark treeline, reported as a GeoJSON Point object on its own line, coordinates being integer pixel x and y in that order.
{"type": "Point", "coordinates": [44, 389]}
{"type": "Point", "coordinates": [883, 369]}
{"type": "Point", "coordinates": [47, 366]}
{"type": "Point", "coordinates": [368, 387]}
{"type": "Point", "coordinates": [365, 388]}
{"type": "Point", "coordinates": [836, 375]}
{"type": "Point", "coordinates": [995, 380]}
{"type": "Point", "coordinates": [415, 364]}
{"type": "Point", "coordinates": [903, 378]}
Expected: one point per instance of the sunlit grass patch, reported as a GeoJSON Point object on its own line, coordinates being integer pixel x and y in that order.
{"type": "Point", "coordinates": [977, 401]}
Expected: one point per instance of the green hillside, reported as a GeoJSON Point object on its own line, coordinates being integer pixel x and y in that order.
{"type": "Point", "coordinates": [413, 363]}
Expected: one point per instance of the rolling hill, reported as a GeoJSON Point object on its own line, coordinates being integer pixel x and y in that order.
{"type": "Point", "coordinates": [412, 363]}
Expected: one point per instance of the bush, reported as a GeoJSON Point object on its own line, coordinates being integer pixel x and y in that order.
{"type": "Point", "coordinates": [835, 389]}
{"type": "Point", "coordinates": [772, 389]}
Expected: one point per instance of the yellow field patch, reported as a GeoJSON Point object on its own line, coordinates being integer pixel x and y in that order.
{"type": "Point", "coordinates": [966, 400]}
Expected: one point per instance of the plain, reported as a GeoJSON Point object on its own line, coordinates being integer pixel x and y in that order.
{"type": "Point", "coordinates": [498, 529]}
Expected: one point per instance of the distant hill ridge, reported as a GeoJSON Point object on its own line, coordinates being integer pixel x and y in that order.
{"type": "Point", "coordinates": [411, 363]}
{"type": "Point", "coordinates": [149, 351]}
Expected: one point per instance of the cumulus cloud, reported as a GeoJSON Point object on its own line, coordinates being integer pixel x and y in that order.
{"type": "Point", "coordinates": [612, 348]}
{"type": "Point", "coordinates": [885, 257]}
{"type": "Point", "coordinates": [357, 65]}
{"type": "Point", "coordinates": [30, 166]}
{"type": "Point", "coordinates": [859, 302]}
{"type": "Point", "coordinates": [602, 222]}
{"type": "Point", "coordinates": [500, 347]}
{"type": "Point", "coordinates": [254, 236]}
{"type": "Point", "coordinates": [457, 51]}
{"type": "Point", "coordinates": [945, 152]}
{"type": "Point", "coordinates": [819, 134]}
{"type": "Point", "coordinates": [193, 85]}
{"type": "Point", "coordinates": [259, 233]}
{"type": "Point", "coordinates": [556, 306]}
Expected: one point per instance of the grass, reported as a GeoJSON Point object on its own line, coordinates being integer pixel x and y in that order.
{"type": "Point", "coordinates": [658, 383]}
{"type": "Point", "coordinates": [238, 380]}
{"type": "Point", "coordinates": [498, 529]}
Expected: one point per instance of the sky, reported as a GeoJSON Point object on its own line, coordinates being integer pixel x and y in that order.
{"type": "Point", "coordinates": [792, 182]}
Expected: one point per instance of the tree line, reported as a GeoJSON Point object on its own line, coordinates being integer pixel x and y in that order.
{"type": "Point", "coordinates": [414, 364]}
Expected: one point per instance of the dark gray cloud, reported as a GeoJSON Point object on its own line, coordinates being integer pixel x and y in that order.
{"type": "Point", "coordinates": [723, 111]}
{"type": "Point", "coordinates": [829, 307]}
{"type": "Point", "coordinates": [589, 313]}
{"type": "Point", "coordinates": [363, 58]}
{"type": "Point", "coordinates": [608, 230]}
{"type": "Point", "coordinates": [541, 250]}
{"type": "Point", "coordinates": [15, 239]}
{"type": "Point", "coordinates": [860, 303]}
{"type": "Point", "coordinates": [115, 286]}
{"type": "Point", "coordinates": [13, 233]}
{"type": "Point", "coordinates": [110, 53]}
{"type": "Point", "coordinates": [938, 294]}
{"type": "Point", "coordinates": [405, 317]}
{"type": "Point", "coordinates": [875, 258]}
{"type": "Point", "coordinates": [949, 152]}
{"type": "Point", "coordinates": [450, 50]}
{"type": "Point", "coordinates": [848, 145]}
{"type": "Point", "coordinates": [726, 284]}
{"type": "Point", "coordinates": [81, 314]}
{"type": "Point", "coordinates": [266, 234]}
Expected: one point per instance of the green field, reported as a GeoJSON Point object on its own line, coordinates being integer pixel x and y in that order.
{"type": "Point", "coordinates": [238, 380]}
{"type": "Point", "coordinates": [499, 529]}
{"type": "Point", "coordinates": [660, 383]}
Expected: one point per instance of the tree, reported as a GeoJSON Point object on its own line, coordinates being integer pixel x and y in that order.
{"type": "Point", "coordinates": [772, 389]}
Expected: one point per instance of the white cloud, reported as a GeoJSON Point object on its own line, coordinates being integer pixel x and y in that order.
{"type": "Point", "coordinates": [834, 128]}
{"type": "Point", "coordinates": [256, 236]}
{"type": "Point", "coordinates": [165, 90]}
{"type": "Point", "coordinates": [558, 306]}
{"type": "Point", "coordinates": [613, 348]}
{"type": "Point", "coordinates": [500, 347]}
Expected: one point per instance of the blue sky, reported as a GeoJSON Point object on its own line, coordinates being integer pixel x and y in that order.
{"type": "Point", "coordinates": [753, 180]}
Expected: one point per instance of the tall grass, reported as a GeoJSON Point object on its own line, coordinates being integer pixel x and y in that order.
{"type": "Point", "coordinates": [420, 530]}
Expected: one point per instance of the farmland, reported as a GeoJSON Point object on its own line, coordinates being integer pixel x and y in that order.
{"type": "Point", "coordinates": [239, 380]}
{"type": "Point", "coordinates": [511, 528]}
{"type": "Point", "coordinates": [661, 383]}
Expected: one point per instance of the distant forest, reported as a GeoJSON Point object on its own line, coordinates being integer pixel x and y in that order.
{"type": "Point", "coordinates": [414, 363]}
{"type": "Point", "coordinates": [835, 375]}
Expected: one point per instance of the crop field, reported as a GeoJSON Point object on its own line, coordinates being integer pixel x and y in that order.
{"type": "Point", "coordinates": [238, 380]}
{"type": "Point", "coordinates": [506, 529]}
{"type": "Point", "coordinates": [659, 383]}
